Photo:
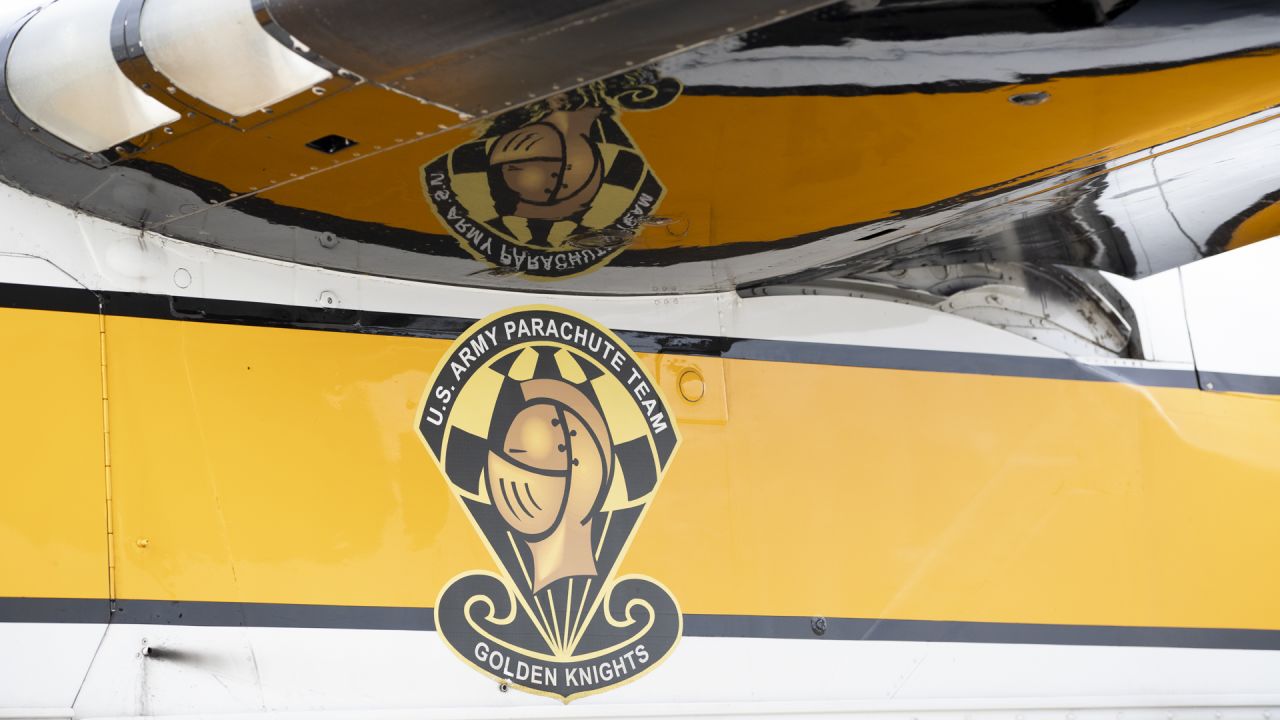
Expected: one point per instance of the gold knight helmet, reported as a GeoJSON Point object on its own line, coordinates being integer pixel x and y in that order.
{"type": "Point", "coordinates": [547, 473]}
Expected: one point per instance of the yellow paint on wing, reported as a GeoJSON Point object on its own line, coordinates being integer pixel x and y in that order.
{"type": "Point", "coordinates": [1262, 225]}
{"type": "Point", "coordinates": [755, 169]}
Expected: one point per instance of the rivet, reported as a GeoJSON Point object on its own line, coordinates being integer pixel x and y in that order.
{"type": "Point", "coordinates": [182, 277]}
{"type": "Point", "coordinates": [328, 298]}
{"type": "Point", "coordinates": [502, 687]}
{"type": "Point", "coordinates": [317, 90]}
{"type": "Point", "coordinates": [328, 240]}
{"type": "Point", "coordinates": [1208, 386]}
{"type": "Point", "coordinates": [143, 542]}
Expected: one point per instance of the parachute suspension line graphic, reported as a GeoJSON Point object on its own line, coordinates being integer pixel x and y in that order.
{"type": "Point", "coordinates": [603, 534]}
{"type": "Point", "coordinates": [543, 627]}
{"type": "Point", "coordinates": [546, 627]}
{"type": "Point", "coordinates": [555, 621]}
{"type": "Point", "coordinates": [582, 605]}
{"type": "Point", "coordinates": [568, 614]}
{"type": "Point", "coordinates": [563, 636]}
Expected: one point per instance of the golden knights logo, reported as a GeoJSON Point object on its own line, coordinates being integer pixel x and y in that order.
{"type": "Point", "coordinates": [554, 188]}
{"type": "Point", "coordinates": [554, 439]}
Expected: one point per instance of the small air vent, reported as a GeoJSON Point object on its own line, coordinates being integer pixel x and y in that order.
{"type": "Point", "coordinates": [330, 144]}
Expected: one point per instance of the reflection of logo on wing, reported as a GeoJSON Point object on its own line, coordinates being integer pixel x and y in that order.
{"type": "Point", "coordinates": [554, 440]}
{"type": "Point", "coordinates": [554, 188]}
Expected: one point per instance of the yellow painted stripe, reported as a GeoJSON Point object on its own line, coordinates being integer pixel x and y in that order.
{"type": "Point", "coordinates": [53, 516]}
{"type": "Point", "coordinates": [272, 465]}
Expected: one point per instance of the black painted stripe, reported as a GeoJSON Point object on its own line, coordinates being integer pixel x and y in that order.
{"type": "Point", "coordinates": [1233, 382]}
{"type": "Point", "coordinates": [852, 629]}
{"type": "Point", "coordinates": [45, 297]}
{"type": "Point", "coordinates": [244, 614]}
{"type": "Point", "coordinates": [272, 615]}
{"type": "Point", "coordinates": [954, 362]}
{"type": "Point", "coordinates": [54, 610]}
{"type": "Point", "coordinates": [258, 314]}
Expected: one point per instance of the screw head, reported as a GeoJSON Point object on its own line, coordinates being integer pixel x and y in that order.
{"type": "Point", "coordinates": [819, 625]}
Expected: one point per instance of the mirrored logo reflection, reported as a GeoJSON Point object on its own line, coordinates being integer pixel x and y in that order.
{"type": "Point", "coordinates": [554, 188]}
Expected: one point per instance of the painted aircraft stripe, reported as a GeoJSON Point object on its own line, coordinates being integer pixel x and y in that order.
{"type": "Point", "coordinates": [239, 312]}
{"type": "Point", "coordinates": [350, 617]}
{"type": "Point", "coordinates": [253, 464]}
{"type": "Point", "coordinates": [1235, 382]}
